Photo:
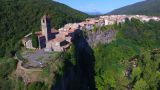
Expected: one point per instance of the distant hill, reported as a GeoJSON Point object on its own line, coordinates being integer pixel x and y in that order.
{"type": "Point", "coordinates": [147, 7]}
{"type": "Point", "coordinates": [94, 13]}
{"type": "Point", "coordinates": [19, 17]}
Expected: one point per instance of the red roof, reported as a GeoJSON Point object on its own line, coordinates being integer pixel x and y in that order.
{"type": "Point", "coordinates": [57, 40]}
{"type": "Point", "coordinates": [39, 34]}
{"type": "Point", "coordinates": [53, 30]}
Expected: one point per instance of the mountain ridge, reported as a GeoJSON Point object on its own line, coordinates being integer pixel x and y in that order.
{"type": "Point", "coordinates": [146, 7]}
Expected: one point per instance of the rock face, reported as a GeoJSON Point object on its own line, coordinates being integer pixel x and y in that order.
{"type": "Point", "coordinates": [28, 75]}
{"type": "Point", "coordinates": [81, 76]}
{"type": "Point", "coordinates": [94, 38]}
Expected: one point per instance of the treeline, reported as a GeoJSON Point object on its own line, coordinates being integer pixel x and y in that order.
{"type": "Point", "coordinates": [7, 65]}
{"type": "Point", "coordinates": [146, 7]}
{"type": "Point", "coordinates": [19, 17]}
{"type": "Point", "coordinates": [132, 54]}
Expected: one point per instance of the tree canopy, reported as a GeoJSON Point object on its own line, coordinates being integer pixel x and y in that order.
{"type": "Point", "coordinates": [20, 17]}
{"type": "Point", "coordinates": [132, 50]}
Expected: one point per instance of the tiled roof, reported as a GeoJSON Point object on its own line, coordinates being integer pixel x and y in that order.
{"type": "Point", "coordinates": [39, 34]}
{"type": "Point", "coordinates": [58, 40]}
{"type": "Point", "coordinates": [53, 30]}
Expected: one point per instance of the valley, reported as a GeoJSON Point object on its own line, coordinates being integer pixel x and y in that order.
{"type": "Point", "coordinates": [47, 45]}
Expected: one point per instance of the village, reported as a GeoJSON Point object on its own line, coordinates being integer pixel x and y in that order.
{"type": "Point", "coordinates": [59, 40]}
{"type": "Point", "coordinates": [53, 42]}
{"type": "Point", "coordinates": [79, 45]}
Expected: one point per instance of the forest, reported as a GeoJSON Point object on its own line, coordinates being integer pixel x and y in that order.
{"type": "Point", "coordinates": [135, 52]}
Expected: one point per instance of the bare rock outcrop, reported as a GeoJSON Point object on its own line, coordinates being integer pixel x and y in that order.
{"type": "Point", "coordinates": [96, 37]}
{"type": "Point", "coordinates": [28, 75]}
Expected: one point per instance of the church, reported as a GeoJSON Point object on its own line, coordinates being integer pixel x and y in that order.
{"type": "Point", "coordinates": [50, 39]}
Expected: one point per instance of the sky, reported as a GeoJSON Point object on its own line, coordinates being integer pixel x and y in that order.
{"type": "Point", "coordinates": [102, 6]}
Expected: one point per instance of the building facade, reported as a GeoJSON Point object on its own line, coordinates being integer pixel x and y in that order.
{"type": "Point", "coordinates": [50, 39]}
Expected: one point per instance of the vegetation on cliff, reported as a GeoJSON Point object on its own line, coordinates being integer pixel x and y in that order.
{"type": "Point", "coordinates": [132, 52]}
{"type": "Point", "coordinates": [7, 66]}
{"type": "Point", "coordinates": [35, 42]}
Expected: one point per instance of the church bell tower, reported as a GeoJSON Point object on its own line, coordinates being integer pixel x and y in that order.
{"type": "Point", "coordinates": [46, 26]}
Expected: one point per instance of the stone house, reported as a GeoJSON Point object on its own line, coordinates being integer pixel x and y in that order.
{"type": "Point", "coordinates": [49, 39]}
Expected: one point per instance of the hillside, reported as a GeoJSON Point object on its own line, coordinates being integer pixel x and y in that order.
{"type": "Point", "coordinates": [19, 17]}
{"type": "Point", "coordinates": [147, 7]}
{"type": "Point", "coordinates": [130, 62]}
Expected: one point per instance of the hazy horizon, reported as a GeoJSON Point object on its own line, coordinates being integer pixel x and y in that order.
{"type": "Point", "coordinates": [103, 6]}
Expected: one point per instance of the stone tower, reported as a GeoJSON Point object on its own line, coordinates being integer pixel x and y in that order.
{"type": "Point", "coordinates": [46, 26]}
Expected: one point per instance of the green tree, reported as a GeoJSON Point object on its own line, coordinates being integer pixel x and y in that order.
{"type": "Point", "coordinates": [34, 40]}
{"type": "Point", "coordinates": [141, 85]}
{"type": "Point", "coordinates": [94, 28]}
{"type": "Point", "coordinates": [19, 84]}
{"type": "Point", "coordinates": [2, 52]}
{"type": "Point", "coordinates": [37, 86]}
{"type": "Point", "coordinates": [136, 72]}
{"type": "Point", "coordinates": [73, 55]}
